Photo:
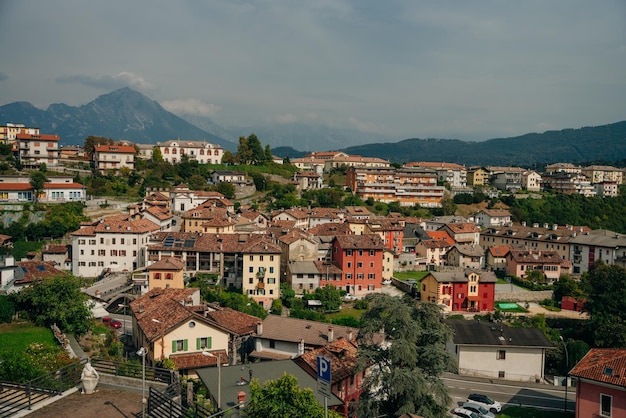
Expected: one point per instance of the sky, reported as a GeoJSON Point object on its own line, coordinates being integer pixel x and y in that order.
{"type": "Point", "coordinates": [470, 70]}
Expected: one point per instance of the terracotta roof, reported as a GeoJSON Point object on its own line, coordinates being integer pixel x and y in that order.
{"type": "Point", "coordinates": [293, 236]}
{"type": "Point", "coordinates": [198, 360]}
{"type": "Point", "coordinates": [463, 228]}
{"type": "Point", "coordinates": [36, 270]}
{"type": "Point", "coordinates": [115, 149]}
{"type": "Point", "coordinates": [234, 321]}
{"type": "Point", "coordinates": [499, 250]}
{"type": "Point", "coordinates": [330, 229]}
{"type": "Point", "coordinates": [441, 236]}
{"type": "Point", "coordinates": [313, 333]}
{"type": "Point", "coordinates": [168, 263]}
{"type": "Point", "coordinates": [360, 242]}
{"type": "Point", "coordinates": [118, 225]}
{"type": "Point", "coordinates": [159, 212]}
{"type": "Point", "coordinates": [435, 164]}
{"type": "Point", "coordinates": [605, 365]}
{"type": "Point", "coordinates": [342, 355]}
{"type": "Point", "coordinates": [496, 212]}
{"type": "Point", "coordinates": [357, 211]}
{"type": "Point", "coordinates": [63, 186]}
{"type": "Point", "coordinates": [530, 257]}
{"type": "Point", "coordinates": [435, 243]}
{"type": "Point", "coordinates": [41, 137]}
{"type": "Point", "coordinates": [55, 249]}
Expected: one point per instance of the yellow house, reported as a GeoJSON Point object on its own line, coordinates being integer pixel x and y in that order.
{"type": "Point", "coordinates": [166, 325]}
{"type": "Point", "coordinates": [261, 272]}
{"type": "Point", "coordinates": [167, 273]}
{"type": "Point", "coordinates": [477, 176]}
{"type": "Point", "coordinates": [209, 219]}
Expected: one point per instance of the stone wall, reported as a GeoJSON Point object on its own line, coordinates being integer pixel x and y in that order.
{"type": "Point", "coordinates": [524, 296]}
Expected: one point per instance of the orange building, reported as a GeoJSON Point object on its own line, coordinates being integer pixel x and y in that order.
{"type": "Point", "coordinates": [360, 258]}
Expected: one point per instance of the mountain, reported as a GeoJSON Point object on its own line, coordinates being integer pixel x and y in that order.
{"type": "Point", "coordinates": [599, 143]}
{"type": "Point", "coordinates": [121, 114]}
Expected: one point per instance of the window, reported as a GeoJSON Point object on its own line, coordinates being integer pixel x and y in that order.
{"type": "Point", "coordinates": [122, 253]}
{"type": "Point", "coordinates": [271, 258]}
{"type": "Point", "coordinates": [360, 253]}
{"type": "Point", "coordinates": [101, 240]}
{"type": "Point", "coordinates": [168, 276]}
{"type": "Point", "coordinates": [179, 345]}
{"type": "Point", "coordinates": [606, 405]}
{"type": "Point", "coordinates": [271, 269]}
{"type": "Point", "coordinates": [260, 258]}
{"type": "Point", "coordinates": [122, 241]}
{"type": "Point", "coordinates": [251, 269]}
{"type": "Point", "coordinates": [359, 265]}
{"type": "Point", "coordinates": [250, 280]}
{"type": "Point", "coordinates": [372, 264]}
{"type": "Point", "coordinates": [113, 241]}
{"type": "Point", "coordinates": [348, 252]}
{"type": "Point", "coordinates": [501, 374]}
{"type": "Point", "coordinates": [348, 276]}
{"type": "Point", "coordinates": [372, 252]}
{"type": "Point", "coordinates": [501, 355]}
{"type": "Point", "coordinates": [157, 276]}
{"type": "Point", "coordinates": [203, 342]}
{"type": "Point", "coordinates": [349, 264]}
{"type": "Point", "coordinates": [251, 258]}
{"type": "Point", "coordinates": [113, 253]}
{"type": "Point", "coordinates": [81, 242]}
{"type": "Point", "coordinates": [359, 276]}
{"type": "Point", "coordinates": [134, 241]}
{"type": "Point", "coordinates": [371, 276]}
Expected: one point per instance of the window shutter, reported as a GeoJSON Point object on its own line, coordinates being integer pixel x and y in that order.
{"type": "Point", "coordinates": [209, 343]}
{"type": "Point", "coordinates": [185, 345]}
{"type": "Point", "coordinates": [198, 344]}
{"type": "Point", "coordinates": [173, 346]}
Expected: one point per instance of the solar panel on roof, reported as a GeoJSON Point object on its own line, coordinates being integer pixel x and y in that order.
{"type": "Point", "coordinates": [41, 268]}
{"type": "Point", "coordinates": [190, 242]}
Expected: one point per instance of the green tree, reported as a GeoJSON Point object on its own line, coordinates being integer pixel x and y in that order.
{"type": "Point", "coordinates": [56, 300]}
{"type": "Point", "coordinates": [245, 154]}
{"type": "Point", "coordinates": [38, 180]}
{"type": "Point", "coordinates": [157, 156]}
{"type": "Point", "coordinates": [283, 398]}
{"type": "Point", "coordinates": [228, 158]}
{"type": "Point", "coordinates": [405, 374]}
{"type": "Point", "coordinates": [606, 305]}
{"type": "Point", "coordinates": [268, 154]}
{"type": "Point", "coordinates": [227, 189]}
{"type": "Point", "coordinates": [7, 309]}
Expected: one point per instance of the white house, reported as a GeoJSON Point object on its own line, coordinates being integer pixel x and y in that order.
{"type": "Point", "coordinates": [493, 218]}
{"type": "Point", "coordinates": [203, 152]}
{"type": "Point", "coordinates": [494, 350]}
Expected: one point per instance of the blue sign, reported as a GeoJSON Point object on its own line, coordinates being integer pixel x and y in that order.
{"type": "Point", "coordinates": [323, 369]}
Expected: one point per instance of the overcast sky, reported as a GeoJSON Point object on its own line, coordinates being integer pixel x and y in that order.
{"type": "Point", "coordinates": [471, 70]}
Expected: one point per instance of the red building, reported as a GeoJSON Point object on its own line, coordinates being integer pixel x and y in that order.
{"type": "Point", "coordinates": [360, 258]}
{"type": "Point", "coordinates": [601, 386]}
{"type": "Point", "coordinates": [346, 383]}
{"type": "Point", "coordinates": [390, 230]}
{"type": "Point", "coordinates": [573, 304]}
{"type": "Point", "coordinates": [471, 290]}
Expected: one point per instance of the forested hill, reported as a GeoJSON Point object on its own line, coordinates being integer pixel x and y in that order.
{"type": "Point", "coordinates": [598, 143]}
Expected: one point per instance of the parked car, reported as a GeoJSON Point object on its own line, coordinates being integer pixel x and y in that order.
{"type": "Point", "coordinates": [112, 322]}
{"type": "Point", "coordinates": [349, 297]}
{"type": "Point", "coordinates": [479, 409]}
{"type": "Point", "coordinates": [485, 401]}
{"type": "Point", "coordinates": [465, 413]}
{"type": "Point", "coordinates": [386, 282]}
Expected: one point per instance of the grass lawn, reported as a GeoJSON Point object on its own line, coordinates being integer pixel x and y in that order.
{"type": "Point", "coordinates": [346, 312]}
{"type": "Point", "coordinates": [17, 337]}
{"type": "Point", "coordinates": [517, 412]}
{"type": "Point", "coordinates": [415, 275]}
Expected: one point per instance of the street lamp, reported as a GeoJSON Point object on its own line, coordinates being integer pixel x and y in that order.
{"type": "Point", "coordinates": [566, 370]}
{"type": "Point", "coordinates": [219, 375]}
{"type": "Point", "coordinates": [143, 352]}
{"type": "Point", "coordinates": [156, 321]}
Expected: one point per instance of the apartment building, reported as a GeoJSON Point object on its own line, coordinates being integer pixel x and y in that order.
{"type": "Point", "coordinates": [58, 189]}
{"type": "Point", "coordinates": [602, 173]}
{"type": "Point", "coordinates": [202, 152]}
{"type": "Point", "coordinates": [407, 186]}
{"type": "Point", "coordinates": [9, 132]}
{"type": "Point", "coordinates": [261, 272]}
{"type": "Point", "coordinates": [113, 157]}
{"type": "Point", "coordinates": [477, 176]}
{"type": "Point", "coordinates": [33, 150]}
{"type": "Point", "coordinates": [588, 248]}
{"type": "Point", "coordinates": [116, 243]}
{"type": "Point", "coordinates": [453, 174]}
{"type": "Point", "coordinates": [568, 183]}
{"type": "Point", "coordinates": [360, 258]}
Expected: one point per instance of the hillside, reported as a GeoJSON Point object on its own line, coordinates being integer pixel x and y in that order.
{"type": "Point", "coordinates": [599, 143]}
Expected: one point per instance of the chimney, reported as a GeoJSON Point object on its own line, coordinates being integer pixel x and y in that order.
{"type": "Point", "coordinates": [349, 335]}
{"type": "Point", "coordinates": [555, 227]}
{"type": "Point", "coordinates": [301, 347]}
{"type": "Point", "coordinates": [331, 334]}
{"type": "Point", "coordinates": [523, 223]}
{"type": "Point", "coordinates": [259, 328]}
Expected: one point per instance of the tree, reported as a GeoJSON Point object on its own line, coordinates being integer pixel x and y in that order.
{"type": "Point", "coordinates": [268, 154]}
{"type": "Point", "coordinates": [7, 309]}
{"type": "Point", "coordinates": [228, 158]}
{"type": "Point", "coordinates": [283, 398]}
{"type": "Point", "coordinates": [38, 180]}
{"type": "Point", "coordinates": [405, 372]}
{"type": "Point", "coordinates": [244, 152]}
{"type": "Point", "coordinates": [91, 142]}
{"type": "Point", "coordinates": [157, 156]}
{"type": "Point", "coordinates": [606, 304]}
{"type": "Point", "coordinates": [227, 189]}
{"type": "Point", "coordinates": [56, 300]}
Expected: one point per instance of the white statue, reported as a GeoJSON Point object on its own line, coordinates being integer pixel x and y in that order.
{"type": "Point", "coordinates": [89, 377]}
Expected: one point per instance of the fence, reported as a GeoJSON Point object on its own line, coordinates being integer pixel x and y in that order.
{"type": "Point", "coordinates": [16, 397]}
{"type": "Point", "coordinates": [135, 370]}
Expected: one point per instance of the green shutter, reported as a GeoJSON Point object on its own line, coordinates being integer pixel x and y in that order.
{"type": "Point", "coordinates": [198, 344]}
{"type": "Point", "coordinates": [173, 346]}
{"type": "Point", "coordinates": [209, 344]}
{"type": "Point", "coordinates": [185, 345]}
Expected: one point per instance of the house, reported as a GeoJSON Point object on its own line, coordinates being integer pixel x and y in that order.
{"type": "Point", "coordinates": [261, 272]}
{"type": "Point", "coordinates": [308, 180]}
{"type": "Point", "coordinates": [9, 132]}
{"type": "Point", "coordinates": [279, 337]}
{"type": "Point", "coordinates": [568, 183]}
{"type": "Point", "coordinates": [493, 218]}
{"type": "Point", "coordinates": [433, 251]}
{"type": "Point", "coordinates": [354, 161]}
{"type": "Point", "coordinates": [391, 231]}
{"type": "Point", "coordinates": [597, 245]}
{"type": "Point", "coordinates": [228, 176]}
{"type": "Point", "coordinates": [113, 158]}
{"type": "Point", "coordinates": [200, 151]}
{"type": "Point", "coordinates": [531, 181]}
{"type": "Point", "coordinates": [144, 151]}
{"type": "Point", "coordinates": [60, 255]}
{"type": "Point", "coordinates": [497, 256]}
{"type": "Point", "coordinates": [360, 258]}
{"type": "Point", "coordinates": [33, 150]}
{"type": "Point", "coordinates": [463, 232]}
{"type": "Point", "coordinates": [495, 350]}
{"type": "Point", "coordinates": [508, 179]}
{"type": "Point", "coordinates": [208, 218]}
{"type": "Point", "coordinates": [58, 189]}
{"type": "Point", "coordinates": [464, 255]}
{"type": "Point", "coordinates": [477, 176]}
{"type": "Point", "coordinates": [601, 383]}
{"type": "Point", "coordinates": [346, 383]}
{"type": "Point", "coordinates": [166, 273]}
{"type": "Point", "coordinates": [470, 290]}
{"type": "Point", "coordinates": [31, 271]}
{"type": "Point", "coordinates": [602, 173]}
{"type": "Point", "coordinates": [451, 173]}
{"type": "Point", "coordinates": [307, 276]}
{"type": "Point", "coordinates": [184, 199]}
{"type": "Point", "coordinates": [521, 262]}
{"type": "Point", "coordinates": [165, 323]}
{"type": "Point", "coordinates": [116, 243]}
{"type": "Point", "coordinates": [357, 212]}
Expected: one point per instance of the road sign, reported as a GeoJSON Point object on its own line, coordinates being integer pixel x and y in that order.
{"type": "Point", "coordinates": [323, 376]}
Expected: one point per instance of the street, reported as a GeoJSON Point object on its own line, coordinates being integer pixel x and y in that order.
{"type": "Point", "coordinates": [511, 393]}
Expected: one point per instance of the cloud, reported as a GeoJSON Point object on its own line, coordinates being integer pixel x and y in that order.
{"type": "Point", "coordinates": [286, 118]}
{"type": "Point", "coordinates": [108, 82]}
{"type": "Point", "coordinates": [191, 107]}
{"type": "Point", "coordinates": [3, 76]}
{"type": "Point", "coordinates": [366, 126]}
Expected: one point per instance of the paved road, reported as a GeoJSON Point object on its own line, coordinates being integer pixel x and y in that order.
{"type": "Point", "coordinates": [511, 393]}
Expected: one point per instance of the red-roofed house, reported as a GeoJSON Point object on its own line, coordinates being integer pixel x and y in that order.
{"type": "Point", "coordinates": [522, 262]}
{"type": "Point", "coordinates": [471, 290]}
{"type": "Point", "coordinates": [463, 233]}
{"type": "Point", "coordinates": [346, 383]}
{"type": "Point", "coordinates": [57, 189]}
{"type": "Point", "coordinates": [113, 157]}
{"type": "Point", "coordinates": [34, 150]}
{"type": "Point", "coordinates": [601, 385]}
{"type": "Point", "coordinates": [496, 257]}
{"type": "Point", "coordinates": [168, 272]}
